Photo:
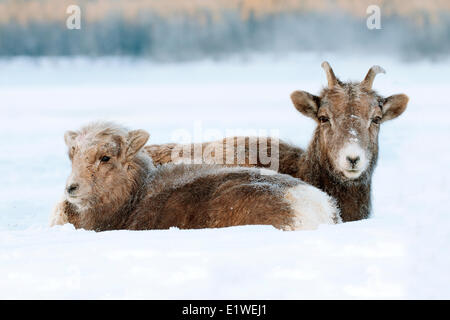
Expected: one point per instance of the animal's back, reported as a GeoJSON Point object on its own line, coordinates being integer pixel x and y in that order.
{"type": "Point", "coordinates": [286, 154]}
{"type": "Point", "coordinates": [206, 196]}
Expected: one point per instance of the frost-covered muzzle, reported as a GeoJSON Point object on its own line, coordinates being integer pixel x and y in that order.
{"type": "Point", "coordinates": [352, 160]}
{"type": "Point", "coordinates": [78, 192]}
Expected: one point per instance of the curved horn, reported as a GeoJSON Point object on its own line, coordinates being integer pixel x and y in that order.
{"type": "Point", "coordinates": [332, 81]}
{"type": "Point", "coordinates": [368, 80]}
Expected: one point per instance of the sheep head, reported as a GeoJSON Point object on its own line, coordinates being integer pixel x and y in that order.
{"type": "Point", "coordinates": [103, 164]}
{"type": "Point", "coordinates": [348, 117]}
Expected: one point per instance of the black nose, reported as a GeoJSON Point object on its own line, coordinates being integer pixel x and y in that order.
{"type": "Point", "coordinates": [72, 188]}
{"type": "Point", "coordinates": [353, 160]}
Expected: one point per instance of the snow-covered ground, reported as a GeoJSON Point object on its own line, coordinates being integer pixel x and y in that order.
{"type": "Point", "coordinates": [401, 252]}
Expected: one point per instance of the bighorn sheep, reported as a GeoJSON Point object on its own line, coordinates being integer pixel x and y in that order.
{"type": "Point", "coordinates": [114, 185]}
{"type": "Point", "coordinates": [343, 152]}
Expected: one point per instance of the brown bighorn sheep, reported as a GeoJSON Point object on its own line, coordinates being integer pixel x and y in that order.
{"type": "Point", "coordinates": [114, 185]}
{"type": "Point", "coordinates": [342, 155]}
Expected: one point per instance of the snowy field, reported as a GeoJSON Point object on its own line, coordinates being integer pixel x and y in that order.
{"type": "Point", "coordinates": [403, 251]}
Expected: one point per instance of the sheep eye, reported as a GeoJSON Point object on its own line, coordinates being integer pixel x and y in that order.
{"type": "Point", "coordinates": [105, 159]}
{"type": "Point", "coordinates": [323, 119]}
{"type": "Point", "coordinates": [376, 120]}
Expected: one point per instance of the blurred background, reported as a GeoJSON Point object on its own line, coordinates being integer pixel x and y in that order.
{"type": "Point", "coordinates": [180, 30]}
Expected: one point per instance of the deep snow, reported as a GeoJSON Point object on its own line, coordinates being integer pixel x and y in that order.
{"type": "Point", "coordinates": [401, 252]}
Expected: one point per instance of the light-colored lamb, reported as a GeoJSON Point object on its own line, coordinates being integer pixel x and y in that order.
{"type": "Point", "coordinates": [113, 185]}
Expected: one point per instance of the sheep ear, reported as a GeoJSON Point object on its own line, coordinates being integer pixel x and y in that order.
{"type": "Point", "coordinates": [306, 103]}
{"type": "Point", "coordinates": [69, 137]}
{"type": "Point", "coordinates": [394, 106]}
{"type": "Point", "coordinates": [135, 141]}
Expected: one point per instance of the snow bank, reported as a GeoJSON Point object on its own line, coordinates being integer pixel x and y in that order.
{"type": "Point", "coordinates": [240, 262]}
